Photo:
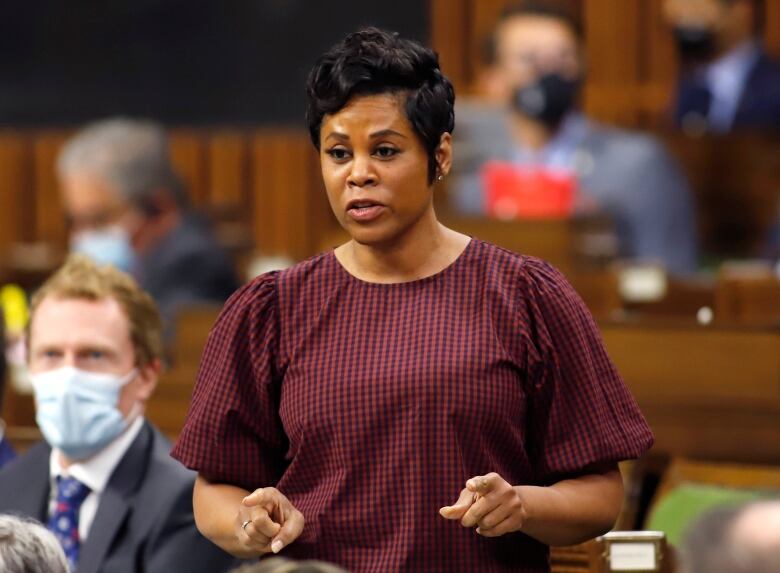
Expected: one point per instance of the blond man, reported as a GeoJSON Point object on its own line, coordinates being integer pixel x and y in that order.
{"type": "Point", "coordinates": [103, 481]}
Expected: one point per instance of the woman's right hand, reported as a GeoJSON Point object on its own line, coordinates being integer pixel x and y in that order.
{"type": "Point", "coordinates": [267, 522]}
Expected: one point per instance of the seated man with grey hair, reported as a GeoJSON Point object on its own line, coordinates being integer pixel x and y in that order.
{"type": "Point", "coordinates": [734, 539]}
{"type": "Point", "coordinates": [127, 207]}
{"type": "Point", "coordinates": [26, 545]}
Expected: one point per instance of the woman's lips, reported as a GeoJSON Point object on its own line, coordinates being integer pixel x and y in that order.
{"type": "Point", "coordinates": [365, 214]}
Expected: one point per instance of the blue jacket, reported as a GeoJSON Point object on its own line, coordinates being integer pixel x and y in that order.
{"type": "Point", "coordinates": [759, 105]}
{"type": "Point", "coordinates": [7, 453]}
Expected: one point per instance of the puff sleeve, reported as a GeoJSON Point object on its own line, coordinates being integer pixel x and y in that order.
{"type": "Point", "coordinates": [233, 432]}
{"type": "Point", "coordinates": [581, 414]}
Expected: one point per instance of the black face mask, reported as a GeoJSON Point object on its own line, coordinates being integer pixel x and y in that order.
{"type": "Point", "coordinates": [695, 43]}
{"type": "Point", "coordinates": [548, 99]}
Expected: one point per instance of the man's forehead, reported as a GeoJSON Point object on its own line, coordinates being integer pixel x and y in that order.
{"type": "Point", "coordinates": [60, 317]}
{"type": "Point", "coordinates": [537, 32]}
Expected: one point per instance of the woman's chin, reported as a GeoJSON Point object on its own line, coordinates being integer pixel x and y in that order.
{"type": "Point", "coordinates": [368, 235]}
{"type": "Point", "coordinates": [373, 238]}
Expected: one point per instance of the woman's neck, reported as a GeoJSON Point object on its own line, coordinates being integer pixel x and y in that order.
{"type": "Point", "coordinates": [426, 249]}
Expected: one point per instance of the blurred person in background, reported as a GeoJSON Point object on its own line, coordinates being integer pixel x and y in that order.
{"type": "Point", "coordinates": [26, 546]}
{"type": "Point", "coordinates": [127, 207]}
{"type": "Point", "coordinates": [536, 69]}
{"type": "Point", "coordinates": [6, 451]}
{"type": "Point", "coordinates": [734, 539]}
{"type": "Point", "coordinates": [728, 81]}
{"type": "Point", "coordinates": [103, 480]}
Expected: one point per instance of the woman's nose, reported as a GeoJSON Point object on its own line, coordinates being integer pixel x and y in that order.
{"type": "Point", "coordinates": [362, 173]}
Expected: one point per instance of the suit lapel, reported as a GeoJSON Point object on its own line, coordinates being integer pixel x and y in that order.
{"type": "Point", "coordinates": [116, 502]}
{"type": "Point", "coordinates": [32, 497]}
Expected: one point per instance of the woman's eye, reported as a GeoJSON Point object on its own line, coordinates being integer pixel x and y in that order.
{"type": "Point", "coordinates": [386, 152]}
{"type": "Point", "coordinates": [338, 153]}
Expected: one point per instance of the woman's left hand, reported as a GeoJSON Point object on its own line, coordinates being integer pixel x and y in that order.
{"type": "Point", "coordinates": [491, 504]}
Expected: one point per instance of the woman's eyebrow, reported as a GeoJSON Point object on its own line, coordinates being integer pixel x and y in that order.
{"type": "Point", "coordinates": [375, 135]}
{"type": "Point", "coordinates": [385, 133]}
{"type": "Point", "coordinates": [337, 135]}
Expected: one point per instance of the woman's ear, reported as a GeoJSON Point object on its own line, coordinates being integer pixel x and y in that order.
{"type": "Point", "coordinates": [444, 155]}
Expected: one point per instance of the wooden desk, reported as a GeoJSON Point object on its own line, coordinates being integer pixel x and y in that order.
{"type": "Point", "coordinates": [707, 392]}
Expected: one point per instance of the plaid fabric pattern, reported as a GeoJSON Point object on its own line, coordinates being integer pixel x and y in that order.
{"type": "Point", "coordinates": [370, 405]}
{"type": "Point", "coordinates": [64, 520]}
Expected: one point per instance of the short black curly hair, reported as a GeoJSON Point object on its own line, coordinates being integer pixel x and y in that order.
{"type": "Point", "coordinates": [373, 61]}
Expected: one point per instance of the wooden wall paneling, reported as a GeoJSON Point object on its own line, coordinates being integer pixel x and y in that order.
{"type": "Point", "coordinates": [711, 393]}
{"type": "Point", "coordinates": [658, 65]}
{"type": "Point", "coordinates": [227, 173]}
{"type": "Point", "coordinates": [291, 178]}
{"type": "Point", "coordinates": [282, 181]}
{"type": "Point", "coordinates": [16, 201]}
{"type": "Point", "coordinates": [612, 29]}
{"type": "Point", "coordinates": [262, 199]}
{"type": "Point", "coordinates": [189, 159]}
{"type": "Point", "coordinates": [483, 17]}
{"type": "Point", "coordinates": [450, 38]}
{"type": "Point", "coordinates": [50, 225]}
{"type": "Point", "coordinates": [282, 178]}
{"type": "Point", "coordinates": [228, 196]}
{"type": "Point", "coordinates": [772, 31]}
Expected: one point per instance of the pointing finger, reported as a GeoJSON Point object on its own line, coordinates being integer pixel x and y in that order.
{"type": "Point", "coordinates": [459, 508]}
{"type": "Point", "coordinates": [482, 484]}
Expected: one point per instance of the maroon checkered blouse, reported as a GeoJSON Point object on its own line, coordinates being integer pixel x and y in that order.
{"type": "Point", "coordinates": [370, 405]}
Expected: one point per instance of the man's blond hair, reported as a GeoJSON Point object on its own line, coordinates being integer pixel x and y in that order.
{"type": "Point", "coordinates": [80, 278]}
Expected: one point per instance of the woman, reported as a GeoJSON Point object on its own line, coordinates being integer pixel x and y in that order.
{"type": "Point", "coordinates": [415, 399]}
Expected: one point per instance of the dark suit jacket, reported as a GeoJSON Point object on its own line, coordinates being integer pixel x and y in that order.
{"type": "Point", "coordinates": [6, 452]}
{"type": "Point", "coordinates": [759, 105]}
{"type": "Point", "coordinates": [144, 522]}
{"type": "Point", "coordinates": [187, 267]}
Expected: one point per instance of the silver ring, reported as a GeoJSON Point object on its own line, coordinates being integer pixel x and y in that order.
{"type": "Point", "coordinates": [247, 522]}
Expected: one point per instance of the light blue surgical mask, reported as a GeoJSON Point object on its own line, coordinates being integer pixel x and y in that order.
{"type": "Point", "coordinates": [106, 246]}
{"type": "Point", "coordinates": [77, 410]}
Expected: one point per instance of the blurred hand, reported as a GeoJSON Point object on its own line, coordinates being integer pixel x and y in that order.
{"type": "Point", "coordinates": [274, 522]}
{"type": "Point", "coordinates": [489, 503]}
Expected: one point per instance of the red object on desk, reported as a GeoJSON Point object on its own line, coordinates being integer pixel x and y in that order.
{"type": "Point", "coordinates": [520, 192]}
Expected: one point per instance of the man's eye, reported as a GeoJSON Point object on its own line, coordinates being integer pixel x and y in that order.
{"type": "Point", "coordinates": [386, 152]}
{"type": "Point", "coordinates": [338, 153]}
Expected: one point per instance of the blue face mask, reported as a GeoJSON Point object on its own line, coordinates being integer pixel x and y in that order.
{"type": "Point", "coordinates": [77, 410]}
{"type": "Point", "coordinates": [108, 246]}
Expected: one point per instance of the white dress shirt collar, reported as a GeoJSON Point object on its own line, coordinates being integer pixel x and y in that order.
{"type": "Point", "coordinates": [95, 472]}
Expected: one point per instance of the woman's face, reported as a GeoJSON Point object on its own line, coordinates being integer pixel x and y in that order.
{"type": "Point", "coordinates": [375, 169]}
